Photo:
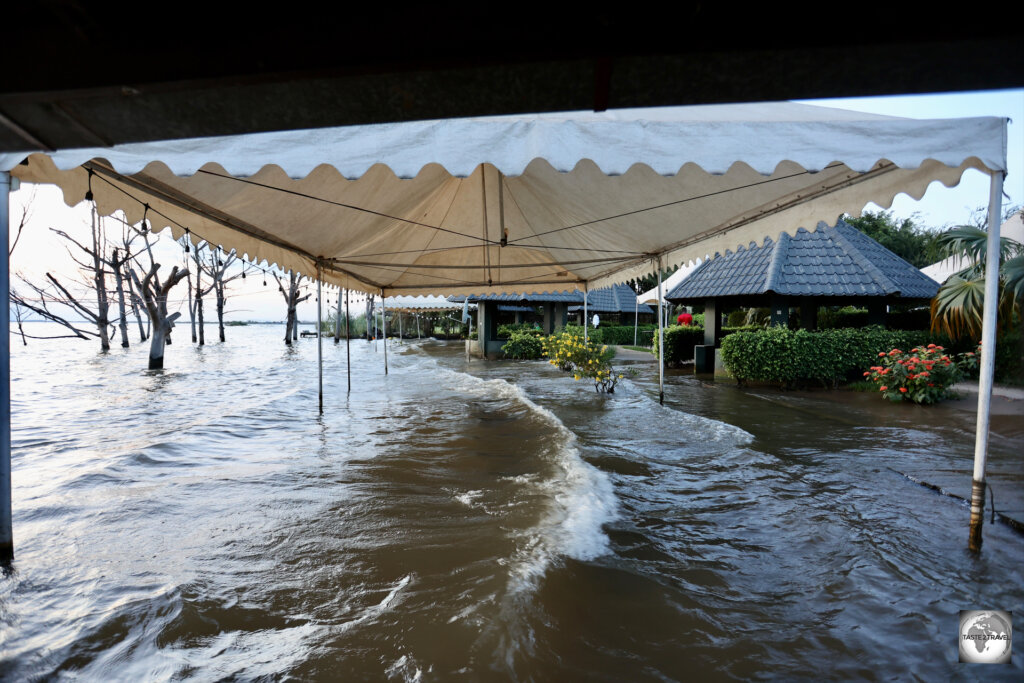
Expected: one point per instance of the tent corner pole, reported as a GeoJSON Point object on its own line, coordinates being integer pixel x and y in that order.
{"type": "Point", "coordinates": [987, 371]}
{"type": "Point", "coordinates": [661, 342]}
{"type": "Point", "coordinates": [348, 346]}
{"type": "Point", "coordinates": [6, 526]}
{"type": "Point", "coordinates": [320, 334]}
{"type": "Point", "coordinates": [384, 328]}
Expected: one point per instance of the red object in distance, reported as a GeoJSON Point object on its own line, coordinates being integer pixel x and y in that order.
{"type": "Point", "coordinates": [684, 319]}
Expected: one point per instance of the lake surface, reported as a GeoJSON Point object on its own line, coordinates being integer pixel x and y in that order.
{"type": "Point", "coordinates": [476, 521]}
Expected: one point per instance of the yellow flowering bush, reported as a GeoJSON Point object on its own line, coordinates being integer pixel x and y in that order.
{"type": "Point", "coordinates": [584, 359]}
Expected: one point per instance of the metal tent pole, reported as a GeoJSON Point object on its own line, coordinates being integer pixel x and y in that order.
{"type": "Point", "coordinates": [988, 357]}
{"type": "Point", "coordinates": [319, 337]}
{"type": "Point", "coordinates": [384, 328]}
{"type": "Point", "coordinates": [586, 318]}
{"type": "Point", "coordinates": [417, 315]}
{"type": "Point", "coordinates": [348, 345]}
{"type": "Point", "coordinates": [661, 342]}
{"type": "Point", "coordinates": [6, 527]}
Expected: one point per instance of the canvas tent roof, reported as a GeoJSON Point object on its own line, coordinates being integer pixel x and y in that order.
{"type": "Point", "coordinates": [521, 203]}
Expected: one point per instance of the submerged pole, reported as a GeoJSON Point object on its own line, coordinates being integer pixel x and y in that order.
{"type": "Point", "coordinates": [988, 359]}
{"type": "Point", "coordinates": [6, 527]}
{"type": "Point", "coordinates": [319, 337]}
{"type": "Point", "coordinates": [661, 342]}
{"type": "Point", "coordinates": [384, 327]}
{"type": "Point", "coordinates": [348, 347]}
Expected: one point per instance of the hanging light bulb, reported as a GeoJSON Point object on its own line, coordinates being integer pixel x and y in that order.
{"type": "Point", "coordinates": [145, 211]}
{"type": "Point", "coordinates": [88, 193]}
{"type": "Point", "coordinates": [188, 240]}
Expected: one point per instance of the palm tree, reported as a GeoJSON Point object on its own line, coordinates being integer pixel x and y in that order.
{"type": "Point", "coordinates": [958, 305]}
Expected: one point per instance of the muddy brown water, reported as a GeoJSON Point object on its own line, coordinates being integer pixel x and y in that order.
{"type": "Point", "coordinates": [489, 521]}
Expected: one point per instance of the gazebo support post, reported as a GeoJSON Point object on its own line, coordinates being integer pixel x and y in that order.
{"type": "Point", "coordinates": [661, 342]}
{"type": "Point", "coordinates": [988, 353]}
{"type": "Point", "coordinates": [348, 346]}
{"type": "Point", "coordinates": [6, 527]}
{"type": "Point", "coordinates": [384, 328]}
{"type": "Point", "coordinates": [319, 335]}
{"type": "Point", "coordinates": [636, 317]}
{"type": "Point", "coordinates": [779, 312]}
{"type": "Point", "coordinates": [808, 313]}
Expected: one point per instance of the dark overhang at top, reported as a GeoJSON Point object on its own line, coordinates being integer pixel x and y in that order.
{"type": "Point", "coordinates": [83, 74]}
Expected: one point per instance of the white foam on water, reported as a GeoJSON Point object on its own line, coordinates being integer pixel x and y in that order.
{"type": "Point", "coordinates": [374, 611]}
{"type": "Point", "coordinates": [582, 498]}
{"type": "Point", "coordinates": [404, 668]}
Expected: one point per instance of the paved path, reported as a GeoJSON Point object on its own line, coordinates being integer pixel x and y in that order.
{"type": "Point", "coordinates": [622, 353]}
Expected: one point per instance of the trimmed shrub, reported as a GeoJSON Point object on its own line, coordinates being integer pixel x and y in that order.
{"type": "Point", "coordinates": [623, 334]}
{"type": "Point", "coordinates": [679, 341]}
{"type": "Point", "coordinates": [523, 346]}
{"type": "Point", "coordinates": [829, 357]}
{"type": "Point", "coordinates": [506, 331]}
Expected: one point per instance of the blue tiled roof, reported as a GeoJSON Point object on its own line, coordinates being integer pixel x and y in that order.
{"type": "Point", "coordinates": [617, 299]}
{"type": "Point", "coordinates": [831, 261]}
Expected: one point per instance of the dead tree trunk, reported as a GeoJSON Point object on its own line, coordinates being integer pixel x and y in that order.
{"type": "Point", "coordinates": [292, 301]}
{"type": "Point", "coordinates": [155, 297]}
{"type": "Point", "coordinates": [117, 265]}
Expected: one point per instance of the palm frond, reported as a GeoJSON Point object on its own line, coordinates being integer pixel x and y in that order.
{"type": "Point", "coordinates": [971, 244]}
{"type": "Point", "coordinates": [957, 307]}
{"type": "Point", "coordinates": [1012, 274]}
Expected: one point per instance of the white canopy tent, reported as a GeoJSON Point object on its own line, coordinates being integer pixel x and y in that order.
{"type": "Point", "coordinates": [651, 295]}
{"type": "Point", "coordinates": [523, 203]}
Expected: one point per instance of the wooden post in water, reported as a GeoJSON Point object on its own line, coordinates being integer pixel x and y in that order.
{"type": "Point", "coordinates": [988, 359]}
{"type": "Point", "coordinates": [384, 327]}
{"type": "Point", "coordinates": [661, 342]}
{"type": "Point", "coordinates": [319, 335]}
{"type": "Point", "coordinates": [348, 349]}
{"type": "Point", "coordinates": [6, 527]}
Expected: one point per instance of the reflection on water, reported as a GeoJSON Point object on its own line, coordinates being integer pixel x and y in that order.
{"type": "Point", "coordinates": [481, 521]}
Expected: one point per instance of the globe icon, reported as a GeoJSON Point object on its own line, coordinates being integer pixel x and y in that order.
{"type": "Point", "coordinates": [985, 637]}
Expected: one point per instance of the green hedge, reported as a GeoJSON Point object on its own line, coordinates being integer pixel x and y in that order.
{"type": "Point", "coordinates": [679, 341]}
{"type": "Point", "coordinates": [623, 334]}
{"type": "Point", "coordinates": [828, 357]}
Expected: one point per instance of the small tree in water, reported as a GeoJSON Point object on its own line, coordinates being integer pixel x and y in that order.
{"type": "Point", "coordinates": [154, 295]}
{"type": "Point", "coordinates": [292, 299]}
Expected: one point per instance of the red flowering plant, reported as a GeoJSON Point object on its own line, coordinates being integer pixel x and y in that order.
{"type": "Point", "coordinates": [924, 375]}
